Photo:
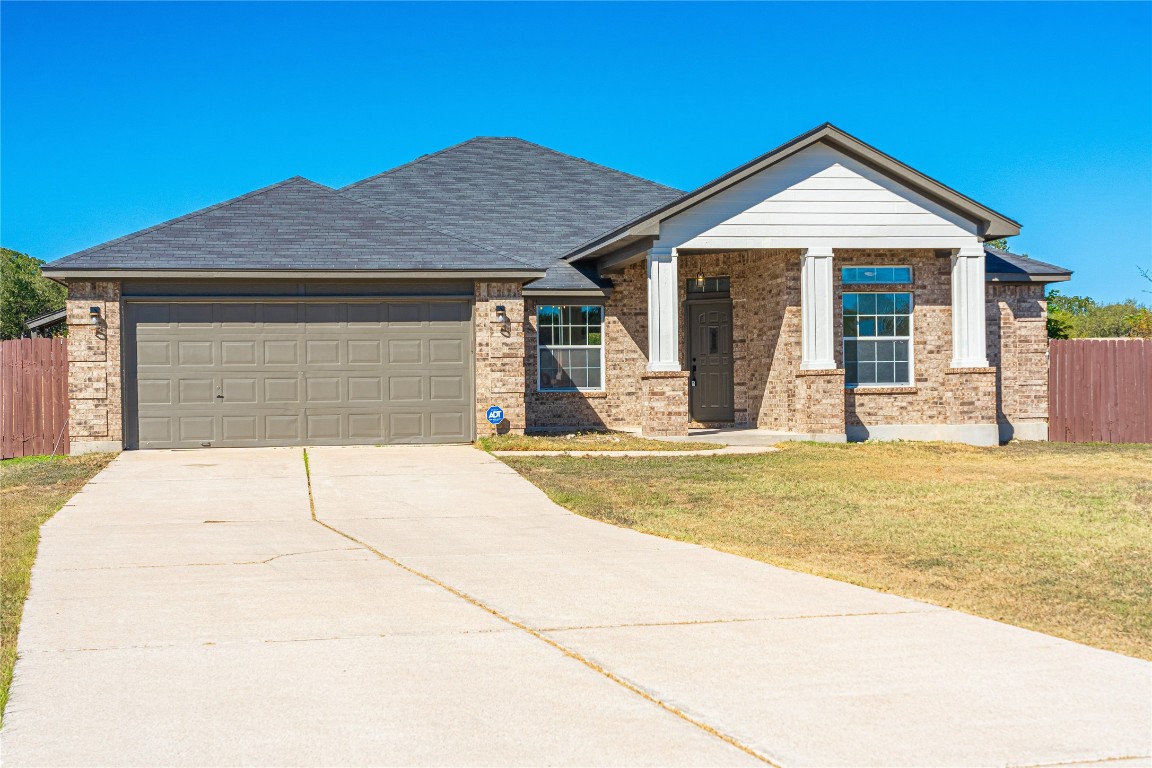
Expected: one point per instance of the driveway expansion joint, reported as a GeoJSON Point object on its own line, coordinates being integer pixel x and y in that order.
{"type": "Point", "coordinates": [622, 682]}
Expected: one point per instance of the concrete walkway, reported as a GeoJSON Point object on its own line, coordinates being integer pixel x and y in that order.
{"type": "Point", "coordinates": [186, 609]}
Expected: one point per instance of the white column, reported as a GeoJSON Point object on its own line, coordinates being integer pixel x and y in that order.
{"type": "Point", "coordinates": [969, 326]}
{"type": "Point", "coordinates": [816, 315]}
{"type": "Point", "coordinates": [663, 311]}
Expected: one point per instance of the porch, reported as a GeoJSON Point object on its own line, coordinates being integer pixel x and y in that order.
{"type": "Point", "coordinates": [751, 344]}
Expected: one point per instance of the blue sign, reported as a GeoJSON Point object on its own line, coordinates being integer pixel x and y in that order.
{"type": "Point", "coordinates": [495, 414]}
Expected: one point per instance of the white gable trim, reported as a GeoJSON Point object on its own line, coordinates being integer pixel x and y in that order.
{"type": "Point", "coordinates": [818, 197]}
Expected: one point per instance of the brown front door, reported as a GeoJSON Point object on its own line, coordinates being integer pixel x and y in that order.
{"type": "Point", "coordinates": [710, 358]}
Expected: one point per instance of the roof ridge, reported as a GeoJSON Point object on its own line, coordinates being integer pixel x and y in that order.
{"type": "Point", "coordinates": [187, 216]}
{"type": "Point", "coordinates": [448, 233]}
{"type": "Point", "coordinates": [590, 163]}
{"type": "Point", "coordinates": [411, 163]}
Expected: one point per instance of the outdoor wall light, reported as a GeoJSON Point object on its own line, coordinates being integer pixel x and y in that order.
{"type": "Point", "coordinates": [501, 314]}
{"type": "Point", "coordinates": [699, 281]}
{"type": "Point", "coordinates": [94, 315]}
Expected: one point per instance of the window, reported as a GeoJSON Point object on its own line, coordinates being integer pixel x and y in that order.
{"type": "Point", "coordinates": [876, 275]}
{"type": "Point", "coordinates": [570, 347]}
{"type": "Point", "coordinates": [709, 285]}
{"type": "Point", "coordinates": [877, 339]}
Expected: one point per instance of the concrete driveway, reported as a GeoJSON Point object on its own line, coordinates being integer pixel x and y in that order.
{"type": "Point", "coordinates": [186, 609]}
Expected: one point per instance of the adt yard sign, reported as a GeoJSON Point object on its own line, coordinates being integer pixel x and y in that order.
{"type": "Point", "coordinates": [495, 414]}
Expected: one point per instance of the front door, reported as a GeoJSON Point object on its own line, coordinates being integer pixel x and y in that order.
{"type": "Point", "coordinates": [710, 356]}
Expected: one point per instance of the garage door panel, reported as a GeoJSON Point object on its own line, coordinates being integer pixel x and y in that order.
{"type": "Point", "coordinates": [366, 389]}
{"type": "Point", "coordinates": [239, 352]}
{"type": "Point", "coordinates": [196, 392]}
{"type": "Point", "coordinates": [192, 315]}
{"type": "Point", "coordinates": [323, 390]}
{"type": "Point", "coordinates": [401, 351]}
{"type": "Point", "coordinates": [283, 428]}
{"type": "Point", "coordinates": [196, 428]}
{"type": "Point", "coordinates": [322, 351]}
{"type": "Point", "coordinates": [447, 388]}
{"type": "Point", "coordinates": [155, 391]}
{"type": "Point", "coordinates": [446, 351]}
{"type": "Point", "coordinates": [294, 373]}
{"type": "Point", "coordinates": [236, 428]}
{"type": "Point", "coordinates": [240, 391]}
{"type": "Point", "coordinates": [153, 353]}
{"type": "Point", "coordinates": [366, 426]}
{"type": "Point", "coordinates": [406, 314]}
{"type": "Point", "coordinates": [364, 352]}
{"type": "Point", "coordinates": [282, 390]}
{"type": "Point", "coordinates": [281, 352]}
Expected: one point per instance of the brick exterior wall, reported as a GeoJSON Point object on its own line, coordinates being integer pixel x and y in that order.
{"type": "Point", "coordinates": [665, 403]}
{"type": "Point", "coordinates": [769, 389]}
{"type": "Point", "coordinates": [1018, 349]}
{"type": "Point", "coordinates": [500, 356]}
{"type": "Point", "coordinates": [940, 395]}
{"type": "Point", "coordinates": [625, 361]}
{"type": "Point", "coordinates": [96, 419]}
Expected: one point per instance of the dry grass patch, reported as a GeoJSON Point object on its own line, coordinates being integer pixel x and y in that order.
{"type": "Point", "coordinates": [1053, 537]}
{"type": "Point", "coordinates": [32, 489]}
{"type": "Point", "coordinates": [587, 441]}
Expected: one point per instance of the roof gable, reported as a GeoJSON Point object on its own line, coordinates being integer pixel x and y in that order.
{"type": "Point", "coordinates": [513, 195]}
{"type": "Point", "coordinates": [988, 223]}
{"type": "Point", "coordinates": [816, 197]}
{"type": "Point", "coordinates": [296, 224]}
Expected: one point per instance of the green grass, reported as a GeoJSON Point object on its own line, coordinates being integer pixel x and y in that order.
{"type": "Point", "coordinates": [587, 441]}
{"type": "Point", "coordinates": [1053, 537]}
{"type": "Point", "coordinates": [32, 489]}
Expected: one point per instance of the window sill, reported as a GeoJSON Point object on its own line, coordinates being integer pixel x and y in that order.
{"type": "Point", "coordinates": [586, 393]}
{"type": "Point", "coordinates": [908, 390]}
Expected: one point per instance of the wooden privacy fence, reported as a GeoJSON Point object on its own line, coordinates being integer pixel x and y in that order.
{"type": "Point", "coordinates": [1100, 390]}
{"type": "Point", "coordinates": [33, 397]}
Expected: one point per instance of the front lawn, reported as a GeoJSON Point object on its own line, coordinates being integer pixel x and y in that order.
{"type": "Point", "coordinates": [1053, 537]}
{"type": "Point", "coordinates": [32, 489]}
{"type": "Point", "coordinates": [588, 441]}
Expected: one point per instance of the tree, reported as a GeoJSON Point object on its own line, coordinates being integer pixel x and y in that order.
{"type": "Point", "coordinates": [1080, 317]}
{"type": "Point", "coordinates": [24, 292]}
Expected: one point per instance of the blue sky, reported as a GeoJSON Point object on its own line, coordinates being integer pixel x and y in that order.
{"type": "Point", "coordinates": [118, 116]}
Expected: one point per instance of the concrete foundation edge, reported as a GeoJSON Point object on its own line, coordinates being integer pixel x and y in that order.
{"type": "Point", "coordinates": [1028, 430]}
{"type": "Point", "coordinates": [95, 446]}
{"type": "Point", "coordinates": [972, 434]}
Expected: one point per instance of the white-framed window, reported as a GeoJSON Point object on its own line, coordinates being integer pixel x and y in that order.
{"type": "Point", "coordinates": [876, 275]}
{"type": "Point", "coordinates": [570, 348]}
{"type": "Point", "coordinates": [877, 339]}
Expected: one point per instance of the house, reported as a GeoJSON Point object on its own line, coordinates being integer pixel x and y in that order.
{"type": "Point", "coordinates": [46, 324]}
{"type": "Point", "coordinates": [823, 291]}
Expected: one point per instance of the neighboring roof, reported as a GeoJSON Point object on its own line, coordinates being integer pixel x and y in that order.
{"type": "Point", "coordinates": [1002, 266]}
{"type": "Point", "coordinates": [646, 225]}
{"type": "Point", "coordinates": [44, 320]}
{"type": "Point", "coordinates": [514, 196]}
{"type": "Point", "coordinates": [296, 225]}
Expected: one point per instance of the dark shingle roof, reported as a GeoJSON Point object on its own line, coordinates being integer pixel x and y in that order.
{"type": "Point", "coordinates": [564, 277]}
{"type": "Point", "coordinates": [515, 196]}
{"type": "Point", "coordinates": [1005, 267]}
{"type": "Point", "coordinates": [294, 225]}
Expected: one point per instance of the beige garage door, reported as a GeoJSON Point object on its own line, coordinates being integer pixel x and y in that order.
{"type": "Point", "coordinates": [299, 373]}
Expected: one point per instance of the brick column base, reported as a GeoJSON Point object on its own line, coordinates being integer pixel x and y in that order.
{"type": "Point", "coordinates": [664, 405]}
{"type": "Point", "coordinates": [969, 396]}
{"type": "Point", "coordinates": [819, 404]}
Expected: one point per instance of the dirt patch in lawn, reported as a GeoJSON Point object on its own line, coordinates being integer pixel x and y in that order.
{"type": "Point", "coordinates": [32, 489]}
{"type": "Point", "coordinates": [1053, 537]}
